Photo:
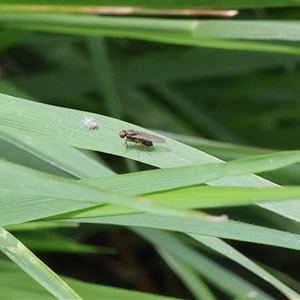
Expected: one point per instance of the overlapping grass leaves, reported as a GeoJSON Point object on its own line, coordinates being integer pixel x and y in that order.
{"type": "Point", "coordinates": [41, 193]}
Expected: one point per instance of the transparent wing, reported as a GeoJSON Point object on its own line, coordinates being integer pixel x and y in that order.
{"type": "Point", "coordinates": [150, 137]}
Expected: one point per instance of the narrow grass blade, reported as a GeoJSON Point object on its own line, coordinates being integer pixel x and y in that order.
{"type": "Point", "coordinates": [233, 286]}
{"type": "Point", "coordinates": [225, 249]}
{"type": "Point", "coordinates": [26, 260]}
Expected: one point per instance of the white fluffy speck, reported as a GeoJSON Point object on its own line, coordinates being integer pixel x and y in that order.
{"type": "Point", "coordinates": [89, 122]}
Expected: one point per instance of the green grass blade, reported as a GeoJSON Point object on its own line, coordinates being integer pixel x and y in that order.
{"type": "Point", "coordinates": [61, 156]}
{"type": "Point", "coordinates": [187, 32]}
{"type": "Point", "coordinates": [33, 119]}
{"type": "Point", "coordinates": [225, 249]}
{"type": "Point", "coordinates": [246, 94]}
{"type": "Point", "coordinates": [188, 275]}
{"type": "Point", "coordinates": [26, 260]}
{"type": "Point", "coordinates": [213, 197]}
{"type": "Point", "coordinates": [234, 285]}
{"type": "Point", "coordinates": [18, 285]}
{"type": "Point", "coordinates": [29, 182]}
{"type": "Point", "coordinates": [176, 4]}
{"type": "Point", "coordinates": [228, 230]}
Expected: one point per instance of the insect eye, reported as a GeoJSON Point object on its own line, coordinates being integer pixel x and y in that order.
{"type": "Point", "coordinates": [122, 134]}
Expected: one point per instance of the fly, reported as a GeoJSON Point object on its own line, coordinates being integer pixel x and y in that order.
{"type": "Point", "coordinates": [139, 137]}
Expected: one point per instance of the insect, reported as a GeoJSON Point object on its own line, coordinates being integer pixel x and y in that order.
{"type": "Point", "coordinates": [89, 122]}
{"type": "Point", "coordinates": [138, 137]}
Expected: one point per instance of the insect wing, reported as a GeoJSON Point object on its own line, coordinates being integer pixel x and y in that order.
{"type": "Point", "coordinates": [150, 137]}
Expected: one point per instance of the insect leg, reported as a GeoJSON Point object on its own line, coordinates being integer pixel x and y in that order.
{"type": "Point", "coordinates": [136, 148]}
{"type": "Point", "coordinates": [126, 145]}
{"type": "Point", "coordinates": [145, 149]}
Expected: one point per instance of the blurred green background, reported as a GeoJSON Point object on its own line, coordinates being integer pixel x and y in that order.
{"type": "Point", "coordinates": [231, 98]}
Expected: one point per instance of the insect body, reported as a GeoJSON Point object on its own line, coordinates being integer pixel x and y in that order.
{"type": "Point", "coordinates": [89, 122]}
{"type": "Point", "coordinates": [138, 137]}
